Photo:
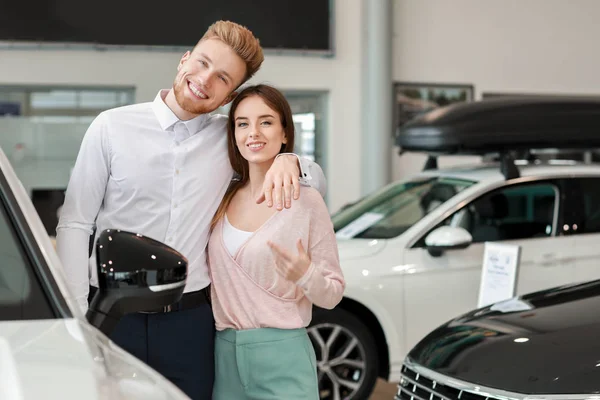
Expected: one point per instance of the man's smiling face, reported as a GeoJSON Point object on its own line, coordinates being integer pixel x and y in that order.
{"type": "Point", "coordinates": [207, 77]}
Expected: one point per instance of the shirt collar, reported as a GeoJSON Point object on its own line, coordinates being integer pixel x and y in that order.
{"type": "Point", "coordinates": [167, 118]}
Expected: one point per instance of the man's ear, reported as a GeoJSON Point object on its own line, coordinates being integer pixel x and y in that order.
{"type": "Point", "coordinates": [229, 98]}
{"type": "Point", "coordinates": [184, 58]}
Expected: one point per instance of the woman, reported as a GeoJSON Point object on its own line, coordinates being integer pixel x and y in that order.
{"type": "Point", "coordinates": [267, 267]}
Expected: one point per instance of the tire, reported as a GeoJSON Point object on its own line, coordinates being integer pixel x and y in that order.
{"type": "Point", "coordinates": [340, 335]}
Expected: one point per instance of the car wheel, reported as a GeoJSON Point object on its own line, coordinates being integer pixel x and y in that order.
{"type": "Point", "coordinates": [347, 360]}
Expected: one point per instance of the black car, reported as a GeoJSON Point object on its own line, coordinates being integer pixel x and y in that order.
{"type": "Point", "coordinates": [545, 345]}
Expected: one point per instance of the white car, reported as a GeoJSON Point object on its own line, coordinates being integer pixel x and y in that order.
{"type": "Point", "coordinates": [412, 252]}
{"type": "Point", "coordinates": [48, 349]}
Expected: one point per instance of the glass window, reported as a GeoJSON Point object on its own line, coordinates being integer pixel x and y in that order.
{"type": "Point", "coordinates": [391, 211]}
{"type": "Point", "coordinates": [517, 212]}
{"type": "Point", "coordinates": [305, 135]}
{"type": "Point", "coordinates": [21, 297]}
{"type": "Point", "coordinates": [53, 99]}
{"type": "Point", "coordinates": [591, 205]}
{"type": "Point", "coordinates": [72, 104]}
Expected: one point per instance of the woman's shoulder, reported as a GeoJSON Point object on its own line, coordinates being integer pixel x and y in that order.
{"type": "Point", "coordinates": [311, 200]}
{"type": "Point", "coordinates": [310, 196]}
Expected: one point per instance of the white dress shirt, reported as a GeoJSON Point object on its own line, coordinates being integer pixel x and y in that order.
{"type": "Point", "coordinates": [141, 169]}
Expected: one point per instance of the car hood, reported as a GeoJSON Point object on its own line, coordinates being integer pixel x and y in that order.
{"type": "Point", "coordinates": [350, 249]}
{"type": "Point", "coordinates": [542, 343]}
{"type": "Point", "coordinates": [66, 359]}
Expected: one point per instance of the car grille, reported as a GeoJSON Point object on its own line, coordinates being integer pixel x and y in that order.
{"type": "Point", "coordinates": [414, 386]}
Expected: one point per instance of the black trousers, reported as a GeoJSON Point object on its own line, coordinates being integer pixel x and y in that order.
{"type": "Point", "coordinates": [179, 345]}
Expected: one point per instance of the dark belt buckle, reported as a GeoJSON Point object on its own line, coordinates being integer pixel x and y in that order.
{"type": "Point", "coordinates": [164, 309]}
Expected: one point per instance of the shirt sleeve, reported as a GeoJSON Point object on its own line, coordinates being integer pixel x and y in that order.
{"type": "Point", "coordinates": [83, 199]}
{"type": "Point", "coordinates": [323, 283]}
{"type": "Point", "coordinates": [311, 174]}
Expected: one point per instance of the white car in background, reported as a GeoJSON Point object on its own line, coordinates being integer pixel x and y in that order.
{"type": "Point", "coordinates": [412, 252]}
{"type": "Point", "coordinates": [48, 349]}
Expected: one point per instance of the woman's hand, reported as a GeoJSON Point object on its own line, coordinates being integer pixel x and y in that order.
{"type": "Point", "coordinates": [291, 266]}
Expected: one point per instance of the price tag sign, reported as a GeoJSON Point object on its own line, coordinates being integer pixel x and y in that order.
{"type": "Point", "coordinates": [499, 273]}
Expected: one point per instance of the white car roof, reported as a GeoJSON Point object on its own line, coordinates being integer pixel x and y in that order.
{"type": "Point", "coordinates": [490, 172]}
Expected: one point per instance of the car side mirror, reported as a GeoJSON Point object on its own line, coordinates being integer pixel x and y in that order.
{"type": "Point", "coordinates": [135, 273]}
{"type": "Point", "coordinates": [447, 238]}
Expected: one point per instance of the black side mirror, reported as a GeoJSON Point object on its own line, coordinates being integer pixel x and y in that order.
{"type": "Point", "coordinates": [135, 273]}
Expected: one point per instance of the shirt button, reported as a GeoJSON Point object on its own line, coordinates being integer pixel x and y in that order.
{"type": "Point", "coordinates": [175, 206]}
{"type": "Point", "coordinates": [177, 171]}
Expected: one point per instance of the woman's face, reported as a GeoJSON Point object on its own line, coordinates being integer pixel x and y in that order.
{"type": "Point", "coordinates": [258, 130]}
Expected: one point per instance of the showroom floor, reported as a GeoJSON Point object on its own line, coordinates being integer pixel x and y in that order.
{"type": "Point", "coordinates": [384, 391]}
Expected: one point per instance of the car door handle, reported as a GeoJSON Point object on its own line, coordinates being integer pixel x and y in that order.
{"type": "Point", "coordinates": [552, 260]}
{"type": "Point", "coordinates": [548, 260]}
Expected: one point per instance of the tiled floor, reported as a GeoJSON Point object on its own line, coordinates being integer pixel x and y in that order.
{"type": "Point", "coordinates": [384, 390]}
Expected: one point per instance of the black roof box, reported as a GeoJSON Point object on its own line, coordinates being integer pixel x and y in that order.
{"type": "Point", "coordinates": [500, 125]}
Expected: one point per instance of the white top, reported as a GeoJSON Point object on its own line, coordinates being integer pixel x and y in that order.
{"type": "Point", "coordinates": [233, 238]}
{"type": "Point", "coordinates": [143, 170]}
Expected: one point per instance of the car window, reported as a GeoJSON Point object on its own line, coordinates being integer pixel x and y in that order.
{"type": "Point", "coordinates": [21, 296]}
{"type": "Point", "coordinates": [515, 212]}
{"type": "Point", "coordinates": [590, 188]}
{"type": "Point", "coordinates": [391, 211]}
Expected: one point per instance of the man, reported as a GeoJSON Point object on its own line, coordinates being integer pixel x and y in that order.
{"type": "Point", "coordinates": [161, 169]}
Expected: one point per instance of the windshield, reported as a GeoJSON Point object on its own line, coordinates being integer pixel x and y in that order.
{"type": "Point", "coordinates": [395, 208]}
{"type": "Point", "coordinates": [22, 291]}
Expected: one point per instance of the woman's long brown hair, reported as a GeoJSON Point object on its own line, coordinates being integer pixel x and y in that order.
{"type": "Point", "coordinates": [278, 103]}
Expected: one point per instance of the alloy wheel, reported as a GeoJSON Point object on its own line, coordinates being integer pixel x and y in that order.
{"type": "Point", "coordinates": [341, 361]}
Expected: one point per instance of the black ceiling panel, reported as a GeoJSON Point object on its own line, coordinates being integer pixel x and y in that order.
{"type": "Point", "coordinates": [279, 24]}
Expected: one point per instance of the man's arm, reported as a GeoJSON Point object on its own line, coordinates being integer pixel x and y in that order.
{"type": "Point", "coordinates": [312, 175]}
{"type": "Point", "coordinates": [84, 196]}
{"type": "Point", "coordinates": [282, 182]}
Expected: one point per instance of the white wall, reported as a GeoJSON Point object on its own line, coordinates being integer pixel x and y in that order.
{"type": "Point", "coordinates": [521, 46]}
{"type": "Point", "coordinates": [151, 71]}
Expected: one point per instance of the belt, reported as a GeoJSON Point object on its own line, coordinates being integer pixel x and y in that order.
{"type": "Point", "coordinates": [188, 301]}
